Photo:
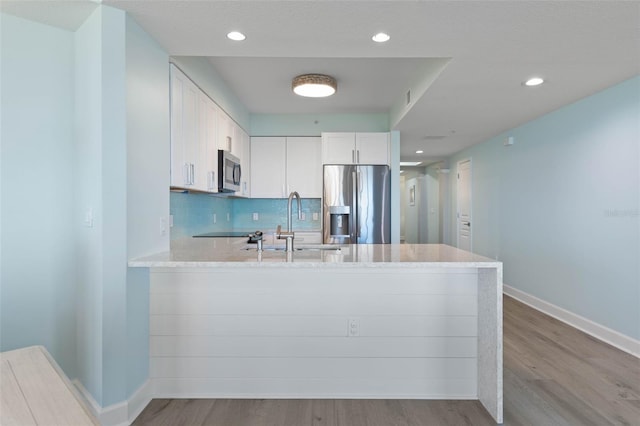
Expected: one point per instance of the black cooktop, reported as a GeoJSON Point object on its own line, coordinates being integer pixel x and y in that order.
{"type": "Point", "coordinates": [224, 234]}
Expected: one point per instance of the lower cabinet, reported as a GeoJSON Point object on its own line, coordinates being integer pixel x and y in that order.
{"type": "Point", "coordinates": [301, 238]}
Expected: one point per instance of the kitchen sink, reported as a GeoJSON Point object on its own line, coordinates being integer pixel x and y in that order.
{"type": "Point", "coordinates": [300, 247]}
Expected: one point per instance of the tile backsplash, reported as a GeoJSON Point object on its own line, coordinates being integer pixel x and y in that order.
{"type": "Point", "coordinates": [194, 214]}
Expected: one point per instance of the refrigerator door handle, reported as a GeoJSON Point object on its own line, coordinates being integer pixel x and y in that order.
{"type": "Point", "coordinates": [354, 203]}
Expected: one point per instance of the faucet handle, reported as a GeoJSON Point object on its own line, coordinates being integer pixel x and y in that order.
{"type": "Point", "coordinates": [278, 231]}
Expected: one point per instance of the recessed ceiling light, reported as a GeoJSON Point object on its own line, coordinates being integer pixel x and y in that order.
{"type": "Point", "coordinates": [419, 151]}
{"type": "Point", "coordinates": [380, 37]}
{"type": "Point", "coordinates": [410, 163]}
{"type": "Point", "coordinates": [535, 81]}
{"type": "Point", "coordinates": [236, 36]}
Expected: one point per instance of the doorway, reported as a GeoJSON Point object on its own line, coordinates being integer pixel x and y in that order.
{"type": "Point", "coordinates": [421, 205]}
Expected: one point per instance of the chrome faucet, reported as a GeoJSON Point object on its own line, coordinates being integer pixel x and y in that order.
{"type": "Point", "coordinates": [289, 234]}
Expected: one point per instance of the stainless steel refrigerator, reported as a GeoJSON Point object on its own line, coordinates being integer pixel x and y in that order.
{"type": "Point", "coordinates": [356, 204]}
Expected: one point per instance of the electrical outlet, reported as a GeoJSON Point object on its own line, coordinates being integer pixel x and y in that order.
{"type": "Point", "coordinates": [88, 217]}
{"type": "Point", "coordinates": [256, 216]}
{"type": "Point", "coordinates": [303, 216]}
{"type": "Point", "coordinates": [353, 327]}
{"type": "Point", "coordinates": [315, 215]}
{"type": "Point", "coordinates": [228, 217]}
{"type": "Point", "coordinates": [215, 218]}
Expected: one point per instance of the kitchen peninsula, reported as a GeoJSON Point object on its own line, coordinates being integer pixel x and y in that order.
{"type": "Point", "coordinates": [365, 321]}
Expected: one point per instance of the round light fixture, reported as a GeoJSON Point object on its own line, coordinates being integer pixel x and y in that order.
{"type": "Point", "coordinates": [314, 85]}
{"type": "Point", "coordinates": [419, 151]}
{"type": "Point", "coordinates": [535, 81]}
{"type": "Point", "coordinates": [380, 37]}
{"type": "Point", "coordinates": [236, 36]}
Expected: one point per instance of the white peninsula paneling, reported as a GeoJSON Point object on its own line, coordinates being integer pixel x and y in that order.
{"type": "Point", "coordinates": [314, 333]}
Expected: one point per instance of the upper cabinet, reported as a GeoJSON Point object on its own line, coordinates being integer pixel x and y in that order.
{"type": "Point", "coordinates": [355, 148]}
{"type": "Point", "coordinates": [184, 132]}
{"type": "Point", "coordinates": [245, 164]}
{"type": "Point", "coordinates": [199, 128]}
{"type": "Point", "coordinates": [280, 165]}
{"type": "Point", "coordinates": [304, 168]}
{"type": "Point", "coordinates": [268, 167]}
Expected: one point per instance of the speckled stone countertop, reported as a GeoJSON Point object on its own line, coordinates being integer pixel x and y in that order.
{"type": "Point", "coordinates": [235, 252]}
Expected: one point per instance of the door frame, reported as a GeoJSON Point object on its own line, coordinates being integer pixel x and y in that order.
{"type": "Point", "coordinates": [470, 161]}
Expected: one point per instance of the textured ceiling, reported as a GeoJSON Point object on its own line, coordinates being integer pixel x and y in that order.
{"type": "Point", "coordinates": [579, 47]}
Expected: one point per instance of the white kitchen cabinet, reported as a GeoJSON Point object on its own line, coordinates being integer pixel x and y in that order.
{"type": "Point", "coordinates": [184, 130]}
{"type": "Point", "coordinates": [280, 165]}
{"type": "Point", "coordinates": [194, 147]}
{"type": "Point", "coordinates": [199, 128]}
{"type": "Point", "coordinates": [226, 133]}
{"type": "Point", "coordinates": [355, 148]}
{"type": "Point", "coordinates": [207, 160]}
{"type": "Point", "coordinates": [304, 169]}
{"type": "Point", "coordinates": [268, 167]}
{"type": "Point", "coordinates": [245, 164]}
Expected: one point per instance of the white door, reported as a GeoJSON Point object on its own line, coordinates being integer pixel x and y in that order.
{"type": "Point", "coordinates": [464, 205]}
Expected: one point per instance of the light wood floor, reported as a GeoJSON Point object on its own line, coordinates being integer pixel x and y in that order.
{"type": "Point", "coordinates": [553, 375]}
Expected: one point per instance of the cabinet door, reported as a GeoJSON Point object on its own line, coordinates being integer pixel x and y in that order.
{"type": "Point", "coordinates": [184, 129]}
{"type": "Point", "coordinates": [225, 131]}
{"type": "Point", "coordinates": [245, 164]}
{"type": "Point", "coordinates": [304, 166]}
{"type": "Point", "coordinates": [207, 161]}
{"type": "Point", "coordinates": [268, 167]}
{"type": "Point", "coordinates": [372, 148]}
{"type": "Point", "coordinates": [338, 148]}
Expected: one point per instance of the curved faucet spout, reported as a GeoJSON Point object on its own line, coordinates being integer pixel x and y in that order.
{"type": "Point", "coordinates": [293, 194]}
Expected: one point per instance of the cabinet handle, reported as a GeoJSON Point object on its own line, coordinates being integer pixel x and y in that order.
{"type": "Point", "coordinates": [186, 174]}
{"type": "Point", "coordinates": [358, 156]}
{"type": "Point", "coordinates": [193, 174]}
{"type": "Point", "coordinates": [353, 156]}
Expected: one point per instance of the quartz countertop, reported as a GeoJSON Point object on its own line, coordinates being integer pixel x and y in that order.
{"type": "Point", "coordinates": [235, 252]}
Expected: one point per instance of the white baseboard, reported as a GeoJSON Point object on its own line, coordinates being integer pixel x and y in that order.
{"type": "Point", "coordinates": [600, 332]}
{"type": "Point", "coordinates": [122, 413]}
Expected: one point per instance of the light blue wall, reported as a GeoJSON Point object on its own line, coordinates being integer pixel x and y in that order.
{"type": "Point", "coordinates": [148, 148]}
{"type": "Point", "coordinates": [87, 173]}
{"type": "Point", "coordinates": [37, 288]}
{"type": "Point", "coordinates": [561, 206]}
{"type": "Point", "coordinates": [314, 124]}
{"type": "Point", "coordinates": [121, 153]}
{"type": "Point", "coordinates": [202, 72]}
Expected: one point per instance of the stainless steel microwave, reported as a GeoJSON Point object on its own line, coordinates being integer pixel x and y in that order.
{"type": "Point", "coordinates": [229, 172]}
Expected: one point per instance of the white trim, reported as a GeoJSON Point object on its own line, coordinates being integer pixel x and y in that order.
{"type": "Point", "coordinates": [470, 161]}
{"type": "Point", "coordinates": [122, 413]}
{"type": "Point", "coordinates": [600, 332]}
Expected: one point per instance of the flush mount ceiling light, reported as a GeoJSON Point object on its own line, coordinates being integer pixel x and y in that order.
{"type": "Point", "coordinates": [535, 81]}
{"type": "Point", "coordinates": [236, 36]}
{"type": "Point", "coordinates": [419, 151]}
{"type": "Point", "coordinates": [314, 85]}
{"type": "Point", "coordinates": [410, 163]}
{"type": "Point", "coordinates": [380, 37]}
